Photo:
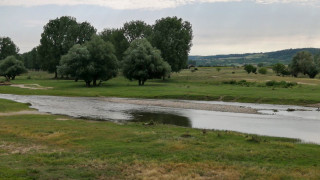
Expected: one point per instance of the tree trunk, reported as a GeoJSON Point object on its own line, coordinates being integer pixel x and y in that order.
{"type": "Point", "coordinates": [94, 82]}
{"type": "Point", "coordinates": [76, 80]}
{"type": "Point", "coordinates": [88, 83]}
{"type": "Point", "coordinates": [7, 78]}
{"type": "Point", "coordinates": [139, 82]}
{"type": "Point", "coordinates": [13, 77]}
{"type": "Point", "coordinates": [55, 75]}
{"type": "Point", "coordinates": [143, 82]}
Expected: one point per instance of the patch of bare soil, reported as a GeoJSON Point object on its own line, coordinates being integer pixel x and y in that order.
{"type": "Point", "coordinates": [31, 86]}
{"type": "Point", "coordinates": [21, 113]}
{"type": "Point", "coordinates": [184, 105]}
{"type": "Point", "coordinates": [307, 83]}
{"type": "Point", "coordinates": [182, 171]}
{"type": "Point", "coordinates": [16, 148]}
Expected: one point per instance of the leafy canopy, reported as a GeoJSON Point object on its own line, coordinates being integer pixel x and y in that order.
{"type": "Point", "coordinates": [173, 37]}
{"type": "Point", "coordinates": [92, 61]}
{"type": "Point", "coordinates": [10, 67]}
{"type": "Point", "coordinates": [303, 62]}
{"type": "Point", "coordinates": [143, 62]}
{"type": "Point", "coordinates": [58, 37]}
{"type": "Point", "coordinates": [7, 47]}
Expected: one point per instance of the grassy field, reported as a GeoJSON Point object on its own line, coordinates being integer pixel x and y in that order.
{"type": "Point", "coordinates": [204, 84]}
{"type": "Point", "coordinates": [58, 147]}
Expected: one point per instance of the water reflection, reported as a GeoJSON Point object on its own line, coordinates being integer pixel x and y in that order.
{"type": "Point", "coordinates": [160, 118]}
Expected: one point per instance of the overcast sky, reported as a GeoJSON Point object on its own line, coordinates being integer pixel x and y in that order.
{"type": "Point", "coordinates": [219, 26]}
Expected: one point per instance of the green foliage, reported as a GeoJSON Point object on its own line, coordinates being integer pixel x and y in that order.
{"type": "Point", "coordinates": [303, 62]}
{"type": "Point", "coordinates": [136, 30]}
{"type": "Point", "coordinates": [173, 37]}
{"type": "Point", "coordinates": [263, 70]}
{"type": "Point", "coordinates": [282, 84]}
{"type": "Point", "coordinates": [95, 60]}
{"type": "Point", "coordinates": [260, 65]}
{"type": "Point", "coordinates": [117, 38]}
{"type": "Point", "coordinates": [249, 68]}
{"type": "Point", "coordinates": [142, 62]}
{"type": "Point", "coordinates": [10, 67]}
{"type": "Point", "coordinates": [7, 48]}
{"type": "Point", "coordinates": [218, 69]}
{"type": "Point", "coordinates": [58, 37]}
{"type": "Point", "coordinates": [240, 83]}
{"type": "Point", "coordinates": [279, 69]}
{"type": "Point", "coordinates": [31, 59]}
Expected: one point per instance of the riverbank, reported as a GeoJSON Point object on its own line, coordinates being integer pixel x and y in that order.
{"type": "Point", "coordinates": [47, 147]}
{"type": "Point", "coordinates": [183, 105]}
{"type": "Point", "coordinates": [204, 84]}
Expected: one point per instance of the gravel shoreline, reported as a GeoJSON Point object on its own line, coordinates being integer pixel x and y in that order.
{"type": "Point", "coordinates": [184, 105]}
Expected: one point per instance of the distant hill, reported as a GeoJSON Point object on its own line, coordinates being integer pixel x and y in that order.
{"type": "Point", "coordinates": [268, 58]}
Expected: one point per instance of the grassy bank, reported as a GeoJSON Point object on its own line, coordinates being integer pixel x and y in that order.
{"type": "Point", "coordinates": [204, 84]}
{"type": "Point", "coordinates": [58, 147]}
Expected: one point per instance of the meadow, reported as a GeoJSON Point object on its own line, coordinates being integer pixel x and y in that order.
{"type": "Point", "coordinates": [203, 84]}
{"type": "Point", "coordinates": [59, 147]}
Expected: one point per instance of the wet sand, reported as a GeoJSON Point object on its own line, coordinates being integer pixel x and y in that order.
{"type": "Point", "coordinates": [183, 105]}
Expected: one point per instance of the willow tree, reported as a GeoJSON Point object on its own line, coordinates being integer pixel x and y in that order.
{"type": "Point", "coordinates": [142, 62]}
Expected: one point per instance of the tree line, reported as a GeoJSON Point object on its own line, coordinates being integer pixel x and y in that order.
{"type": "Point", "coordinates": [141, 51]}
{"type": "Point", "coordinates": [302, 63]}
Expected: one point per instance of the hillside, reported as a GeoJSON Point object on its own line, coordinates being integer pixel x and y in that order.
{"type": "Point", "coordinates": [283, 56]}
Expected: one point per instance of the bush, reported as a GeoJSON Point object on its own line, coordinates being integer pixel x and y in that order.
{"type": "Point", "coordinates": [263, 70]}
{"type": "Point", "coordinates": [282, 84]}
{"type": "Point", "coordinates": [250, 68]}
{"type": "Point", "coordinates": [10, 67]}
{"type": "Point", "coordinates": [240, 83]}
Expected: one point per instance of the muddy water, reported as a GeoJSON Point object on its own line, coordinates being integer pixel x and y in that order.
{"type": "Point", "coordinates": [275, 120]}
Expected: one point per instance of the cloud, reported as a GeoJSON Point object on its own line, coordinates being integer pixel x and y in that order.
{"type": "Point", "coordinates": [140, 4]}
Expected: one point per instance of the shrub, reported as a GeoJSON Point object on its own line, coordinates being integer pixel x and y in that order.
{"type": "Point", "coordinates": [263, 70]}
{"type": "Point", "coordinates": [282, 84]}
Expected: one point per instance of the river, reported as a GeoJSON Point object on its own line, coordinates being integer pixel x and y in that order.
{"type": "Point", "coordinates": [273, 120]}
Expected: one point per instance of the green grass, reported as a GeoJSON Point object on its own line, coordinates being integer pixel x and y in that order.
{"type": "Point", "coordinates": [39, 146]}
{"type": "Point", "coordinates": [59, 147]}
{"type": "Point", "coordinates": [11, 106]}
{"type": "Point", "coordinates": [205, 84]}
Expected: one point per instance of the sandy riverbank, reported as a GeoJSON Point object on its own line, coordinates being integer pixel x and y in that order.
{"type": "Point", "coordinates": [184, 105]}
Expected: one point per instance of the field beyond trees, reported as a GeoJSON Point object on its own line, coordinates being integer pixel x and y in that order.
{"type": "Point", "coordinates": [229, 84]}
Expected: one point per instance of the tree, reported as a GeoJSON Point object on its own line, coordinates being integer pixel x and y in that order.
{"type": "Point", "coordinates": [136, 30]}
{"type": "Point", "coordinates": [7, 48]}
{"type": "Point", "coordinates": [92, 61]}
{"type": "Point", "coordinates": [303, 62]}
{"type": "Point", "coordinates": [10, 67]}
{"type": "Point", "coordinates": [250, 68]}
{"type": "Point", "coordinates": [278, 68]}
{"type": "Point", "coordinates": [117, 38]}
{"type": "Point", "coordinates": [260, 65]}
{"type": "Point", "coordinates": [173, 37]}
{"type": "Point", "coordinates": [58, 37]}
{"type": "Point", "coordinates": [263, 70]}
{"type": "Point", "coordinates": [142, 62]}
{"type": "Point", "coordinates": [218, 69]}
{"type": "Point", "coordinates": [31, 59]}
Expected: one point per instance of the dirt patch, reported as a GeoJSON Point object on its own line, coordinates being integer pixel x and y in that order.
{"type": "Point", "coordinates": [184, 105]}
{"type": "Point", "coordinates": [307, 83]}
{"type": "Point", "coordinates": [21, 113]}
{"type": "Point", "coordinates": [16, 148]}
{"type": "Point", "coordinates": [183, 171]}
{"type": "Point", "coordinates": [62, 119]}
{"type": "Point", "coordinates": [31, 86]}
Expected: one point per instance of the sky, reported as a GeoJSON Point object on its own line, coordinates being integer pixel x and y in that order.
{"type": "Point", "coordinates": [219, 26]}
